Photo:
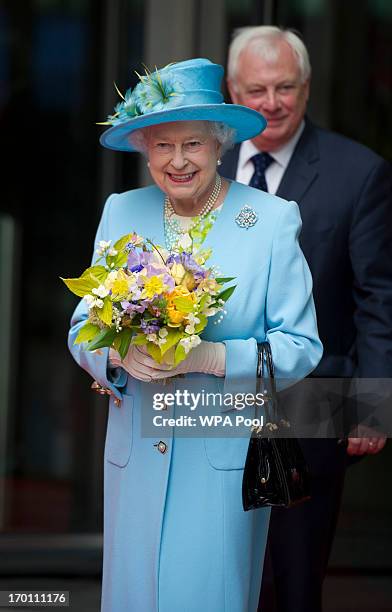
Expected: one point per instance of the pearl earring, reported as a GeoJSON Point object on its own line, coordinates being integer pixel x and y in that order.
{"type": "Point", "coordinates": [148, 164]}
{"type": "Point", "coordinates": [219, 162]}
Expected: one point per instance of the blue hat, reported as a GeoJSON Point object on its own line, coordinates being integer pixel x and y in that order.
{"type": "Point", "coordinates": [185, 91]}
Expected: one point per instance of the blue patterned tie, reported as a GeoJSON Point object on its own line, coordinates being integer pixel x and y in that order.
{"type": "Point", "coordinates": [261, 161]}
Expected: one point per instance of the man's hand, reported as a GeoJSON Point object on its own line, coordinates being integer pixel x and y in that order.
{"type": "Point", "coordinates": [370, 442]}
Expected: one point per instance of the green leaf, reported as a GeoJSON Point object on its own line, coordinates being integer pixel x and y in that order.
{"type": "Point", "coordinates": [203, 301]}
{"type": "Point", "coordinates": [103, 339]}
{"type": "Point", "coordinates": [168, 357]}
{"type": "Point", "coordinates": [183, 304]}
{"type": "Point", "coordinates": [222, 279]}
{"type": "Point", "coordinates": [90, 279]}
{"type": "Point", "coordinates": [147, 316]}
{"type": "Point", "coordinates": [203, 322]}
{"type": "Point", "coordinates": [139, 340]}
{"type": "Point", "coordinates": [122, 341]}
{"type": "Point", "coordinates": [98, 273]}
{"type": "Point", "coordinates": [80, 286]}
{"type": "Point", "coordinates": [87, 332]}
{"type": "Point", "coordinates": [172, 338]}
{"type": "Point", "coordinates": [179, 355]}
{"type": "Point", "coordinates": [154, 351]}
{"type": "Point", "coordinates": [225, 294]}
{"type": "Point", "coordinates": [122, 242]}
{"type": "Point", "coordinates": [118, 260]}
{"type": "Point", "coordinates": [106, 312]}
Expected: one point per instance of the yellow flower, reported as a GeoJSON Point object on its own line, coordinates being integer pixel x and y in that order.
{"type": "Point", "coordinates": [175, 316]}
{"type": "Point", "coordinates": [178, 272]}
{"type": "Point", "coordinates": [152, 286]}
{"type": "Point", "coordinates": [174, 313]}
{"type": "Point", "coordinates": [119, 283]}
{"type": "Point", "coordinates": [189, 281]}
{"type": "Point", "coordinates": [182, 292]}
{"type": "Point", "coordinates": [209, 285]}
{"type": "Point", "coordinates": [182, 276]}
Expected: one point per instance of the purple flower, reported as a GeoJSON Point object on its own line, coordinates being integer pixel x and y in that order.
{"type": "Point", "coordinates": [153, 270]}
{"type": "Point", "coordinates": [131, 307]}
{"type": "Point", "coordinates": [169, 281]}
{"type": "Point", "coordinates": [172, 259]}
{"type": "Point", "coordinates": [187, 260]}
{"type": "Point", "coordinates": [133, 262]}
{"type": "Point", "coordinates": [149, 327]}
{"type": "Point", "coordinates": [139, 260]}
{"type": "Point", "coordinates": [147, 258]}
{"type": "Point", "coordinates": [138, 268]}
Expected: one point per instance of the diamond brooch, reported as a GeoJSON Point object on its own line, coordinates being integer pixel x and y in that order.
{"type": "Point", "coordinates": [247, 217]}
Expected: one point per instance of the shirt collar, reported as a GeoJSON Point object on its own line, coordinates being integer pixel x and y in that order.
{"type": "Point", "coordinates": [281, 156]}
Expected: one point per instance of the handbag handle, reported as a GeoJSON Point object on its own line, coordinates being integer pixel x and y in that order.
{"type": "Point", "coordinates": [266, 371]}
{"type": "Point", "coordinates": [266, 363]}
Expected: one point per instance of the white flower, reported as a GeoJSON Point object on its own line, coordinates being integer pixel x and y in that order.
{"type": "Point", "coordinates": [163, 333]}
{"type": "Point", "coordinates": [112, 252]}
{"type": "Point", "coordinates": [152, 338]}
{"type": "Point", "coordinates": [88, 299]}
{"type": "Point", "coordinates": [136, 240]}
{"type": "Point", "coordinates": [210, 312]}
{"type": "Point", "coordinates": [190, 342]}
{"type": "Point", "coordinates": [135, 293]}
{"type": "Point", "coordinates": [185, 241]}
{"type": "Point", "coordinates": [111, 277]}
{"type": "Point", "coordinates": [103, 246]}
{"type": "Point", "coordinates": [186, 343]}
{"type": "Point", "coordinates": [190, 329]}
{"type": "Point", "coordinates": [101, 291]}
{"type": "Point", "coordinates": [195, 341]}
{"type": "Point", "coordinates": [161, 341]}
{"type": "Point", "coordinates": [193, 319]}
{"type": "Point", "coordinates": [93, 302]}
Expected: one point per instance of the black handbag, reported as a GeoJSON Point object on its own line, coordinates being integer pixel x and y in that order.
{"type": "Point", "coordinates": [276, 473]}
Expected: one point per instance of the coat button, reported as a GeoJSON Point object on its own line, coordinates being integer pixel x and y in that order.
{"type": "Point", "coordinates": [161, 446]}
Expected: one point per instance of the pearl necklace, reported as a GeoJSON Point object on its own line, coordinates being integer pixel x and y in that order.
{"type": "Point", "coordinates": [172, 228]}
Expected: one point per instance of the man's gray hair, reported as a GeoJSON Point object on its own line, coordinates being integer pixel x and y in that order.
{"type": "Point", "coordinates": [222, 132]}
{"type": "Point", "coordinates": [262, 41]}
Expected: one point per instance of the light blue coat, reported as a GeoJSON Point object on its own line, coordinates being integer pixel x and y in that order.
{"type": "Point", "coordinates": [176, 538]}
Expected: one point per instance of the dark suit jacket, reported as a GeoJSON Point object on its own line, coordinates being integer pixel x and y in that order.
{"type": "Point", "coordinates": [344, 191]}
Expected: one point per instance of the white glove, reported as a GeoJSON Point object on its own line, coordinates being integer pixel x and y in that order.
{"type": "Point", "coordinates": [206, 358]}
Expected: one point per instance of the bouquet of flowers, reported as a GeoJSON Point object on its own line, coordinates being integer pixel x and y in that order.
{"type": "Point", "coordinates": [139, 293]}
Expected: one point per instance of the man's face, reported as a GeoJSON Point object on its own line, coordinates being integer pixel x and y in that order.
{"type": "Point", "coordinates": [275, 90]}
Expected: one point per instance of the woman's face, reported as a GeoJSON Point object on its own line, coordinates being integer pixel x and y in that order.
{"type": "Point", "coordinates": [183, 158]}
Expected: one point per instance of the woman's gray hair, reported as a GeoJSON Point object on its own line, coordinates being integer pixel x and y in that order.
{"type": "Point", "coordinates": [138, 140]}
{"type": "Point", "coordinates": [222, 132]}
{"type": "Point", "coordinates": [262, 40]}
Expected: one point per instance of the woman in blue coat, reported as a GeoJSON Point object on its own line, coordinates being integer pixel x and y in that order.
{"type": "Point", "coordinates": [176, 538]}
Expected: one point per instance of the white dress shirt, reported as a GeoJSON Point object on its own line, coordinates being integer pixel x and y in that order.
{"type": "Point", "coordinates": [275, 171]}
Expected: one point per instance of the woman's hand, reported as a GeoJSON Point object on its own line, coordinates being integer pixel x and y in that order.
{"type": "Point", "coordinates": [206, 358]}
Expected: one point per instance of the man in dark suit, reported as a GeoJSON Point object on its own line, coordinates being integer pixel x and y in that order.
{"type": "Point", "coordinates": [344, 193]}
